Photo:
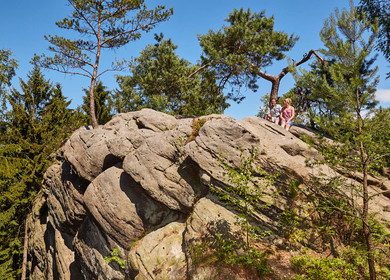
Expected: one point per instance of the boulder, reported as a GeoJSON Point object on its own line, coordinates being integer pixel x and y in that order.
{"type": "Point", "coordinates": [122, 209]}
{"type": "Point", "coordinates": [64, 195]}
{"type": "Point", "coordinates": [91, 245]}
{"type": "Point", "coordinates": [143, 186]}
{"type": "Point", "coordinates": [87, 152]}
{"type": "Point", "coordinates": [159, 255]}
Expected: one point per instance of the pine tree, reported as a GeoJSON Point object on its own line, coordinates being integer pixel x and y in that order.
{"type": "Point", "coordinates": [102, 24]}
{"type": "Point", "coordinates": [379, 10]}
{"type": "Point", "coordinates": [345, 90]}
{"type": "Point", "coordinates": [102, 103]}
{"type": "Point", "coordinates": [163, 81]}
{"type": "Point", "coordinates": [22, 147]}
{"type": "Point", "coordinates": [239, 52]}
{"type": "Point", "coordinates": [7, 72]}
{"type": "Point", "coordinates": [36, 125]}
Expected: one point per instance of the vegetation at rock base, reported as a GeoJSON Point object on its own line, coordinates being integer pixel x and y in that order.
{"type": "Point", "coordinates": [34, 127]}
{"type": "Point", "coordinates": [242, 192]}
{"type": "Point", "coordinates": [114, 257]}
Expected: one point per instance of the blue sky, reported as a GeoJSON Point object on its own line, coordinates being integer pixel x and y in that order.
{"type": "Point", "coordinates": [23, 24]}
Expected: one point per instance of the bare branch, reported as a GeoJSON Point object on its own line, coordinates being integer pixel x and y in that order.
{"type": "Point", "coordinates": [303, 60]}
{"type": "Point", "coordinates": [379, 157]}
{"type": "Point", "coordinates": [69, 72]}
{"type": "Point", "coordinates": [262, 74]}
{"type": "Point", "coordinates": [199, 69]}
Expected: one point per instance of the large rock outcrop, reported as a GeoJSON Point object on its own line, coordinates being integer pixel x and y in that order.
{"type": "Point", "coordinates": [139, 186]}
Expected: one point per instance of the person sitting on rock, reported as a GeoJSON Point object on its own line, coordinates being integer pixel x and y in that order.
{"type": "Point", "coordinates": [273, 112]}
{"type": "Point", "coordinates": [287, 115]}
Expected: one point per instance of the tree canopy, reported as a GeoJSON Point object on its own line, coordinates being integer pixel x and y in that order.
{"type": "Point", "coordinates": [161, 80]}
{"type": "Point", "coordinates": [239, 51]}
{"type": "Point", "coordinates": [8, 66]}
{"type": "Point", "coordinates": [340, 94]}
{"type": "Point", "coordinates": [379, 10]}
{"type": "Point", "coordinates": [34, 127]}
{"type": "Point", "coordinates": [101, 24]}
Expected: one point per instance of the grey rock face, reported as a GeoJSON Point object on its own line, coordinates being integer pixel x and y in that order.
{"type": "Point", "coordinates": [139, 187]}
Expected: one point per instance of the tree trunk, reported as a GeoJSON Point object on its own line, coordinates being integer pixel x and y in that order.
{"type": "Point", "coordinates": [275, 80]}
{"type": "Point", "coordinates": [24, 264]}
{"type": "Point", "coordinates": [94, 121]}
{"type": "Point", "coordinates": [274, 89]}
{"type": "Point", "coordinates": [92, 103]}
{"type": "Point", "coordinates": [366, 228]}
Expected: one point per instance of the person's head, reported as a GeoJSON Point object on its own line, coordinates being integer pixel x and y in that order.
{"type": "Point", "coordinates": [287, 102]}
{"type": "Point", "coordinates": [273, 102]}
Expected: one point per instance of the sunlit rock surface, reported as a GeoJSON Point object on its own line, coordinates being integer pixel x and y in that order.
{"type": "Point", "coordinates": [140, 185]}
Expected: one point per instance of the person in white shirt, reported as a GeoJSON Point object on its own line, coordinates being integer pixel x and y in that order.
{"type": "Point", "coordinates": [273, 112]}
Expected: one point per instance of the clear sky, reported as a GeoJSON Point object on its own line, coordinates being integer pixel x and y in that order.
{"type": "Point", "coordinates": [23, 24]}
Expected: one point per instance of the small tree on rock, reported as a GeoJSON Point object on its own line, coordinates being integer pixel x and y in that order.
{"type": "Point", "coordinates": [347, 89]}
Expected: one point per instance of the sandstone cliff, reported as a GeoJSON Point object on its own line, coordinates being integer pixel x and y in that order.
{"type": "Point", "coordinates": [139, 185]}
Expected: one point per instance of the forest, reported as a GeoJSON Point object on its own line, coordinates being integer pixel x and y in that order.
{"type": "Point", "coordinates": [335, 97]}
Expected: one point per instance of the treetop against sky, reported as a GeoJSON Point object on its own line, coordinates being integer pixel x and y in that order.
{"type": "Point", "coordinates": [24, 24]}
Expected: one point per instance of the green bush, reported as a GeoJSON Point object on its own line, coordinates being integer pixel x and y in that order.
{"type": "Point", "coordinates": [310, 268]}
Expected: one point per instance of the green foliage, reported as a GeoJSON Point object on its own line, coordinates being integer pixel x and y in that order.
{"type": "Point", "coordinates": [238, 51]}
{"type": "Point", "coordinates": [263, 109]}
{"type": "Point", "coordinates": [101, 24]}
{"type": "Point", "coordinates": [7, 72]}
{"type": "Point", "coordinates": [102, 103]}
{"type": "Point", "coordinates": [333, 224]}
{"type": "Point", "coordinates": [162, 81]}
{"type": "Point", "coordinates": [346, 90]}
{"type": "Point", "coordinates": [328, 93]}
{"type": "Point", "coordinates": [243, 194]}
{"type": "Point", "coordinates": [247, 186]}
{"type": "Point", "coordinates": [379, 145]}
{"type": "Point", "coordinates": [35, 126]}
{"type": "Point", "coordinates": [116, 26]}
{"type": "Point", "coordinates": [379, 10]}
{"type": "Point", "coordinates": [227, 251]}
{"type": "Point", "coordinates": [115, 257]}
{"type": "Point", "coordinates": [351, 264]}
{"type": "Point", "coordinates": [231, 252]}
{"type": "Point", "coordinates": [324, 269]}
{"type": "Point", "coordinates": [7, 67]}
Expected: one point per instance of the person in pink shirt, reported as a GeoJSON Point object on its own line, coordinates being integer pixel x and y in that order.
{"type": "Point", "coordinates": [287, 115]}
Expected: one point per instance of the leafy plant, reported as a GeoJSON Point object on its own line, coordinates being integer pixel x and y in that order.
{"type": "Point", "coordinates": [247, 186]}
{"type": "Point", "coordinates": [114, 257]}
{"type": "Point", "coordinates": [311, 268]}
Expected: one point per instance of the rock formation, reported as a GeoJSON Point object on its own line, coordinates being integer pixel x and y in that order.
{"type": "Point", "coordinates": [140, 185]}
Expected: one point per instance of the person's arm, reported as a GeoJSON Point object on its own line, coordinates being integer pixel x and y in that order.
{"type": "Point", "coordinates": [292, 114]}
{"type": "Point", "coordinates": [281, 115]}
{"type": "Point", "coordinates": [268, 111]}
